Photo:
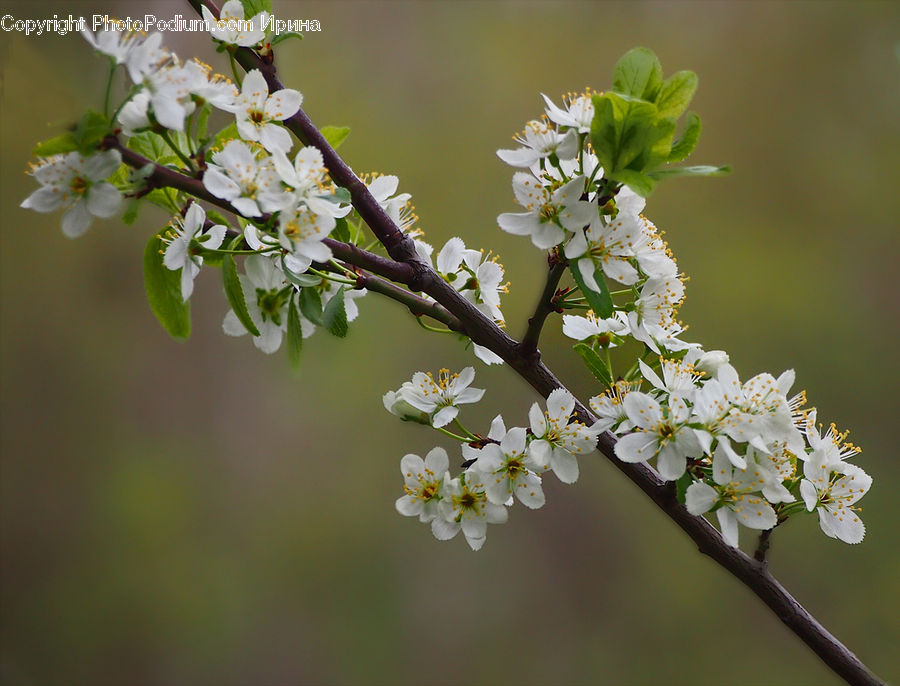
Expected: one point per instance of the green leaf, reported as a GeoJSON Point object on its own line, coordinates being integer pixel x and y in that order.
{"type": "Point", "coordinates": [164, 291]}
{"type": "Point", "coordinates": [56, 146]}
{"type": "Point", "coordinates": [676, 93]}
{"type": "Point", "coordinates": [294, 335]}
{"type": "Point", "coordinates": [230, 132]}
{"type": "Point", "coordinates": [334, 317]}
{"type": "Point", "coordinates": [335, 135]}
{"type": "Point", "coordinates": [311, 305]}
{"type": "Point", "coordinates": [216, 218]}
{"type": "Point", "coordinates": [640, 183]}
{"type": "Point", "coordinates": [131, 211]}
{"type": "Point", "coordinates": [233, 290]}
{"type": "Point", "coordinates": [254, 7]}
{"type": "Point", "coordinates": [685, 145]}
{"type": "Point", "coordinates": [203, 120]}
{"type": "Point", "coordinates": [700, 170]}
{"type": "Point", "coordinates": [153, 147]}
{"type": "Point", "coordinates": [341, 231]}
{"type": "Point", "coordinates": [90, 130]}
{"type": "Point", "coordinates": [601, 303]}
{"type": "Point", "coordinates": [594, 362]}
{"type": "Point", "coordinates": [681, 486]}
{"type": "Point", "coordinates": [638, 73]}
{"type": "Point", "coordinates": [276, 39]}
{"type": "Point", "coordinates": [622, 127]}
{"type": "Point", "coordinates": [300, 280]}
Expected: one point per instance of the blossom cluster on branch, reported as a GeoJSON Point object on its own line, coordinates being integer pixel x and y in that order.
{"type": "Point", "coordinates": [248, 180]}
{"type": "Point", "coordinates": [747, 451]}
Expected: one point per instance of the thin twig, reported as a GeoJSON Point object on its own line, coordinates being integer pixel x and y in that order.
{"type": "Point", "coordinates": [545, 306]}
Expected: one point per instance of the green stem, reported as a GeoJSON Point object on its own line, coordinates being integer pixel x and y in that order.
{"type": "Point", "coordinates": [427, 327]}
{"type": "Point", "coordinates": [331, 277]}
{"type": "Point", "coordinates": [234, 70]}
{"type": "Point", "coordinates": [164, 134]}
{"type": "Point", "coordinates": [444, 431]}
{"type": "Point", "coordinates": [109, 80]}
{"type": "Point", "coordinates": [468, 433]}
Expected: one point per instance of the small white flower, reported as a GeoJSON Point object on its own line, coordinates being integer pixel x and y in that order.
{"type": "Point", "coordinates": [422, 483]}
{"type": "Point", "coordinates": [133, 116]}
{"type": "Point", "coordinates": [231, 27]}
{"type": "Point", "coordinates": [653, 319]}
{"type": "Point", "coordinates": [256, 111]}
{"type": "Point", "coordinates": [510, 469]}
{"type": "Point", "coordinates": [216, 89]}
{"type": "Point", "coordinates": [464, 506]}
{"type": "Point", "coordinates": [556, 440]}
{"type": "Point", "coordinates": [179, 253]}
{"type": "Point", "coordinates": [610, 408]}
{"type": "Point", "coordinates": [76, 184]}
{"type": "Point", "coordinates": [710, 361]}
{"type": "Point", "coordinates": [441, 398]}
{"type": "Point", "coordinates": [590, 326]}
{"type": "Point", "coordinates": [679, 379]}
{"type": "Point", "coordinates": [115, 44]}
{"type": "Point", "coordinates": [300, 232]}
{"type": "Point", "coordinates": [145, 57]}
{"type": "Point", "coordinates": [550, 213]}
{"type": "Point", "coordinates": [267, 295]}
{"type": "Point", "coordinates": [539, 141]}
{"type": "Point", "coordinates": [606, 245]}
{"type": "Point", "coordinates": [383, 188]}
{"type": "Point", "coordinates": [578, 113]}
{"type": "Point", "coordinates": [251, 185]}
{"type": "Point", "coordinates": [834, 499]}
{"type": "Point", "coordinates": [478, 280]}
{"type": "Point", "coordinates": [662, 432]}
{"type": "Point", "coordinates": [306, 179]}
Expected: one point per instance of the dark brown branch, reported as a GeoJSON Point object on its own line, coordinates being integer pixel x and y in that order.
{"type": "Point", "coordinates": [529, 344]}
{"type": "Point", "coordinates": [484, 332]}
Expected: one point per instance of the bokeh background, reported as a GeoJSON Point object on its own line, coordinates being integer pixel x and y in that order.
{"type": "Point", "coordinates": [193, 513]}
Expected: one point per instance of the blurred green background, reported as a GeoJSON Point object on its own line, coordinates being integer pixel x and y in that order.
{"type": "Point", "coordinates": [195, 514]}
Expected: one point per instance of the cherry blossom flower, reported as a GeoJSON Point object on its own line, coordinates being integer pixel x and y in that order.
{"type": "Point", "coordinates": [180, 251]}
{"type": "Point", "coordinates": [77, 184]}
{"type": "Point", "coordinates": [539, 141]}
{"type": "Point", "coordinates": [511, 470]}
{"type": "Point", "coordinates": [251, 185]}
{"type": "Point", "coordinates": [231, 27]}
{"type": "Point", "coordinates": [268, 295]}
{"type": "Point", "coordinates": [465, 507]}
{"type": "Point", "coordinates": [549, 211]}
{"type": "Point", "coordinates": [422, 483]}
{"type": "Point", "coordinates": [256, 112]}
{"type": "Point", "coordinates": [440, 399]}
{"type": "Point", "coordinates": [557, 440]}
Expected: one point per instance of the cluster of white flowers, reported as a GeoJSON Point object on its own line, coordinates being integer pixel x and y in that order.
{"type": "Point", "coordinates": [736, 449]}
{"type": "Point", "coordinates": [504, 466]}
{"type": "Point", "coordinates": [595, 224]}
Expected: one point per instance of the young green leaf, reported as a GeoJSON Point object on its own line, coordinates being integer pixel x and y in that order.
{"type": "Point", "coordinates": [676, 93]}
{"type": "Point", "coordinates": [294, 334]}
{"type": "Point", "coordinates": [90, 130]}
{"type": "Point", "coordinates": [222, 137]}
{"type": "Point", "coordinates": [299, 280]}
{"type": "Point", "coordinates": [685, 145]}
{"type": "Point", "coordinates": [594, 362]}
{"type": "Point", "coordinates": [601, 303]}
{"type": "Point", "coordinates": [254, 7]}
{"type": "Point", "coordinates": [233, 290]}
{"type": "Point", "coordinates": [700, 170]}
{"type": "Point", "coordinates": [622, 127]}
{"type": "Point", "coordinates": [341, 231]}
{"type": "Point", "coordinates": [163, 288]}
{"type": "Point", "coordinates": [57, 145]}
{"type": "Point", "coordinates": [153, 147]}
{"type": "Point", "coordinates": [681, 486]}
{"type": "Point", "coordinates": [276, 39]}
{"type": "Point", "coordinates": [334, 317]}
{"type": "Point", "coordinates": [131, 211]}
{"type": "Point", "coordinates": [335, 135]}
{"type": "Point", "coordinates": [311, 305]}
{"type": "Point", "coordinates": [640, 183]}
{"type": "Point", "coordinates": [638, 73]}
{"type": "Point", "coordinates": [202, 120]}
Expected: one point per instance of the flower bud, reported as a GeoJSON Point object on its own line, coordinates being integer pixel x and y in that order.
{"type": "Point", "coordinates": [396, 405]}
{"type": "Point", "coordinates": [710, 362]}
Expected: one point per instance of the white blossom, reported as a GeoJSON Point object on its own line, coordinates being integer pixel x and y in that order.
{"type": "Point", "coordinates": [422, 483]}
{"type": "Point", "coordinates": [231, 27]}
{"type": "Point", "coordinates": [251, 185]}
{"type": "Point", "coordinates": [511, 470]}
{"type": "Point", "coordinates": [550, 212]}
{"type": "Point", "coordinates": [557, 441]}
{"type": "Point", "coordinates": [539, 141]}
{"type": "Point", "coordinates": [180, 250]}
{"type": "Point", "coordinates": [76, 184]}
{"type": "Point", "coordinates": [464, 506]}
{"type": "Point", "coordinates": [268, 295]}
{"type": "Point", "coordinates": [256, 112]}
{"type": "Point", "coordinates": [440, 399]}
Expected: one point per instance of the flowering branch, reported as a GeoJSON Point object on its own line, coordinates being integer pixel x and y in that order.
{"type": "Point", "coordinates": [720, 445]}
